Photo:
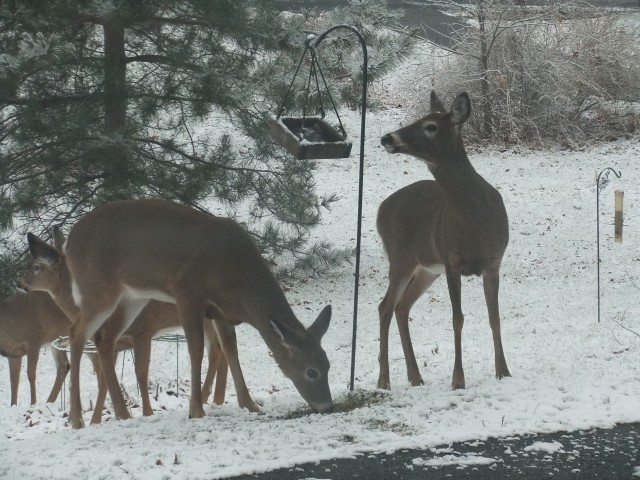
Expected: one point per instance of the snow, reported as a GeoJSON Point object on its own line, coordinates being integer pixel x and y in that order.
{"type": "Point", "coordinates": [446, 460]}
{"type": "Point", "coordinates": [546, 447]}
{"type": "Point", "coordinates": [569, 371]}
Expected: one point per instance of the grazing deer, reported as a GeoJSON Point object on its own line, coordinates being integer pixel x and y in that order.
{"type": "Point", "coordinates": [455, 225]}
{"type": "Point", "coordinates": [27, 322]}
{"type": "Point", "coordinates": [49, 273]}
{"type": "Point", "coordinates": [124, 254]}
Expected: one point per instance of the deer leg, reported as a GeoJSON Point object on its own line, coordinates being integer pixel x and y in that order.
{"type": "Point", "coordinates": [417, 286]}
{"type": "Point", "coordinates": [77, 339]}
{"type": "Point", "coordinates": [213, 357]}
{"type": "Point", "coordinates": [192, 322]}
{"type": "Point", "coordinates": [455, 287]}
{"type": "Point", "coordinates": [142, 358]}
{"type": "Point", "coordinates": [227, 335]}
{"type": "Point", "coordinates": [221, 379]}
{"type": "Point", "coordinates": [385, 312]}
{"type": "Point", "coordinates": [96, 416]}
{"type": "Point", "coordinates": [397, 284]}
{"type": "Point", "coordinates": [105, 344]}
{"type": "Point", "coordinates": [62, 368]}
{"type": "Point", "coordinates": [116, 324]}
{"type": "Point", "coordinates": [207, 385]}
{"type": "Point", "coordinates": [217, 368]}
{"type": "Point", "coordinates": [15, 364]}
{"type": "Point", "coordinates": [32, 364]}
{"type": "Point", "coordinates": [491, 283]}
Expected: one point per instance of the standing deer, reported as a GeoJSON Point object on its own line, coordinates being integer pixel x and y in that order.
{"type": "Point", "coordinates": [27, 322]}
{"type": "Point", "coordinates": [49, 273]}
{"type": "Point", "coordinates": [124, 254]}
{"type": "Point", "coordinates": [455, 225]}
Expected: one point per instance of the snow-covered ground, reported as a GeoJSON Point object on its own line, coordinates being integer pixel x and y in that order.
{"type": "Point", "coordinates": [569, 371]}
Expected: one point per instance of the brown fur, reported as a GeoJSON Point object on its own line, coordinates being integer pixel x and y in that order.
{"type": "Point", "coordinates": [457, 222]}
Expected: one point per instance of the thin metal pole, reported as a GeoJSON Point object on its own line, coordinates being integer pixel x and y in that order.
{"type": "Point", "coordinates": [177, 366]}
{"type": "Point", "coordinates": [313, 45]}
{"type": "Point", "coordinates": [617, 174]}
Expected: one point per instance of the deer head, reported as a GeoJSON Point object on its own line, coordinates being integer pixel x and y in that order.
{"type": "Point", "coordinates": [436, 138]}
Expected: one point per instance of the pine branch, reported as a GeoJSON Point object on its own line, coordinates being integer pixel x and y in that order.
{"type": "Point", "coordinates": [164, 60]}
{"type": "Point", "coordinates": [52, 101]}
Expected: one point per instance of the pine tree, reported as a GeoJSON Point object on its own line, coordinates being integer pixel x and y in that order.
{"type": "Point", "coordinates": [104, 100]}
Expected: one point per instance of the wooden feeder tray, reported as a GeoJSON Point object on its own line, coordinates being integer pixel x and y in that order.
{"type": "Point", "coordinates": [309, 137]}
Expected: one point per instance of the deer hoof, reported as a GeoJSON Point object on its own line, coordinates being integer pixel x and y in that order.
{"type": "Point", "coordinates": [384, 385]}
{"type": "Point", "coordinates": [77, 424]}
{"type": "Point", "coordinates": [458, 382]}
{"type": "Point", "coordinates": [196, 413]}
{"type": "Point", "coordinates": [383, 380]}
{"type": "Point", "coordinates": [252, 407]}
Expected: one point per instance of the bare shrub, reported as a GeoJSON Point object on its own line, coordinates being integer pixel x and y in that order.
{"type": "Point", "coordinates": [564, 74]}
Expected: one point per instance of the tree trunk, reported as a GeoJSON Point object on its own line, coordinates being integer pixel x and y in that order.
{"type": "Point", "coordinates": [113, 154]}
{"type": "Point", "coordinates": [487, 120]}
{"type": "Point", "coordinates": [115, 95]}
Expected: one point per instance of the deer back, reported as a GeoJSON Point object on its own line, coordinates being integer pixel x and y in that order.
{"type": "Point", "coordinates": [165, 250]}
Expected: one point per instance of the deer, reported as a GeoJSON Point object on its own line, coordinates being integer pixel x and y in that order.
{"type": "Point", "coordinates": [124, 254]}
{"type": "Point", "coordinates": [49, 273]}
{"type": "Point", "coordinates": [454, 225]}
{"type": "Point", "coordinates": [28, 321]}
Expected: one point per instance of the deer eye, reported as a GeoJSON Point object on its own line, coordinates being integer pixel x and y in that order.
{"type": "Point", "coordinates": [36, 268]}
{"type": "Point", "coordinates": [431, 128]}
{"type": "Point", "coordinates": [312, 374]}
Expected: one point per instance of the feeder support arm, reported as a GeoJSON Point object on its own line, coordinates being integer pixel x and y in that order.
{"type": "Point", "coordinates": [313, 42]}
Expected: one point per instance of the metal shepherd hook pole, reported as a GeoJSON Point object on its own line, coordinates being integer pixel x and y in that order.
{"type": "Point", "coordinates": [617, 174]}
{"type": "Point", "coordinates": [313, 44]}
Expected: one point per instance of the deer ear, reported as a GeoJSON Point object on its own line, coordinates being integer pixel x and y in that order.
{"type": "Point", "coordinates": [436, 104]}
{"type": "Point", "coordinates": [320, 326]}
{"type": "Point", "coordinates": [288, 337]}
{"type": "Point", "coordinates": [58, 238]}
{"type": "Point", "coordinates": [460, 109]}
{"type": "Point", "coordinates": [40, 250]}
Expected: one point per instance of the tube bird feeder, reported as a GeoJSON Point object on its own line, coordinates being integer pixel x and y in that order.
{"type": "Point", "coordinates": [618, 218]}
{"type": "Point", "coordinates": [618, 174]}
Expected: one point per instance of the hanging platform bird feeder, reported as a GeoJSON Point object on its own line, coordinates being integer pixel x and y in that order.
{"type": "Point", "coordinates": [313, 138]}
{"type": "Point", "coordinates": [310, 137]}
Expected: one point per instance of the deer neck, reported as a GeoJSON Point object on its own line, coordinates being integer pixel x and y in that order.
{"type": "Point", "coordinates": [273, 342]}
{"type": "Point", "coordinates": [462, 186]}
{"type": "Point", "coordinates": [274, 305]}
{"type": "Point", "coordinates": [63, 297]}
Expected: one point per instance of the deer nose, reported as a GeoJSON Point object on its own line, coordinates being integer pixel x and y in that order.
{"type": "Point", "coordinates": [325, 407]}
{"type": "Point", "coordinates": [391, 143]}
{"type": "Point", "coordinates": [386, 140]}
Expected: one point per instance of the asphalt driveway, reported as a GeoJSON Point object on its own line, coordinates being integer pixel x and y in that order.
{"type": "Point", "coordinates": [603, 454]}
